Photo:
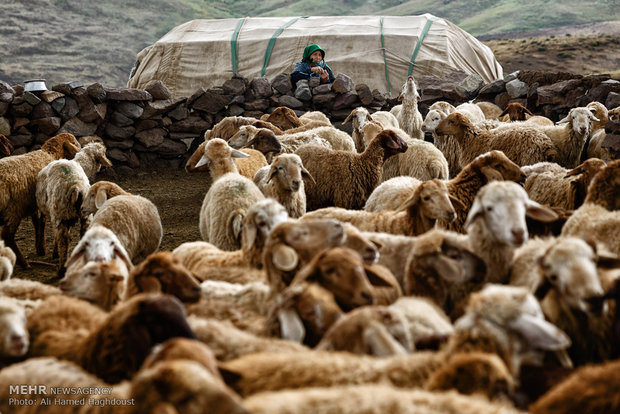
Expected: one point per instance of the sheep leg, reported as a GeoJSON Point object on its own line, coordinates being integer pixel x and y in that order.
{"type": "Point", "coordinates": [38, 221]}
{"type": "Point", "coordinates": [61, 243]}
{"type": "Point", "coordinates": [8, 235]}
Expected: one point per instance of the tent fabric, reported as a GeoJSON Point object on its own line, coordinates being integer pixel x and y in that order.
{"type": "Point", "coordinates": [375, 50]}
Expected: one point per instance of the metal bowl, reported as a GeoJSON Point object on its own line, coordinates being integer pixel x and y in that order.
{"type": "Point", "coordinates": [35, 85]}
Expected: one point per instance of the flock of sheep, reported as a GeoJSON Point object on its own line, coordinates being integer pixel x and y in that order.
{"type": "Point", "coordinates": [367, 273]}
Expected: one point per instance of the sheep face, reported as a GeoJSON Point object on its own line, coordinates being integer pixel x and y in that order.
{"type": "Point", "coordinates": [164, 272]}
{"type": "Point", "coordinates": [265, 141]}
{"type": "Point", "coordinates": [358, 118]}
{"type": "Point", "coordinates": [15, 340]}
{"type": "Point", "coordinates": [503, 206]}
{"type": "Point", "coordinates": [259, 220]}
{"type": "Point", "coordinates": [516, 112]}
{"type": "Point", "coordinates": [288, 171]}
{"type": "Point", "coordinates": [284, 118]}
{"type": "Point", "coordinates": [454, 124]}
{"type": "Point", "coordinates": [409, 91]}
{"type": "Point", "coordinates": [435, 201]}
{"type": "Point", "coordinates": [182, 386]}
{"type": "Point", "coordinates": [100, 283]}
{"type": "Point", "coordinates": [433, 118]}
{"type": "Point", "coordinates": [243, 136]}
{"type": "Point", "coordinates": [218, 149]}
{"type": "Point", "coordinates": [495, 165]}
{"type": "Point", "coordinates": [65, 145]}
{"type": "Point", "coordinates": [99, 244]}
{"type": "Point", "coordinates": [580, 120]}
{"type": "Point", "coordinates": [391, 143]}
{"type": "Point", "coordinates": [570, 267]}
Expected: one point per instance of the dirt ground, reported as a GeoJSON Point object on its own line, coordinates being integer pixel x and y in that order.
{"type": "Point", "coordinates": [177, 195]}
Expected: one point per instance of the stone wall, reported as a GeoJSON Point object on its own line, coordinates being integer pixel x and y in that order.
{"type": "Point", "coordinates": [151, 128]}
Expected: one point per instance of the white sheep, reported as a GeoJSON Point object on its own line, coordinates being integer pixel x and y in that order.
{"type": "Point", "coordinates": [426, 321]}
{"type": "Point", "coordinates": [598, 134]}
{"type": "Point", "coordinates": [496, 225]}
{"type": "Point", "coordinates": [442, 106]}
{"type": "Point", "coordinates": [14, 338]}
{"type": "Point", "coordinates": [570, 136]}
{"type": "Point", "coordinates": [18, 182]}
{"type": "Point", "coordinates": [218, 158]}
{"type": "Point", "coordinates": [360, 115]}
{"type": "Point", "coordinates": [92, 157]}
{"type": "Point", "coordinates": [407, 114]}
{"type": "Point", "coordinates": [7, 261]}
{"type": "Point", "coordinates": [283, 181]}
{"type": "Point", "coordinates": [489, 109]}
{"type": "Point", "coordinates": [339, 140]}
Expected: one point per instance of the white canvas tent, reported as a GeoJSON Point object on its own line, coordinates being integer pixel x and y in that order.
{"type": "Point", "coordinates": [380, 51]}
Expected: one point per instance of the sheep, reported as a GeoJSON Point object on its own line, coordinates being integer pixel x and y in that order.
{"type": "Point", "coordinates": [253, 295]}
{"type": "Point", "coordinates": [597, 218]}
{"type": "Point", "coordinates": [570, 139]}
{"type": "Point", "coordinates": [285, 119]}
{"type": "Point", "coordinates": [227, 127]}
{"type": "Point", "coordinates": [339, 140]}
{"type": "Point", "coordinates": [283, 181]}
{"type": "Point", "coordinates": [372, 330]}
{"type": "Point", "coordinates": [232, 195]}
{"type": "Point", "coordinates": [407, 114]}
{"type": "Point", "coordinates": [493, 165]}
{"type": "Point", "coordinates": [357, 241]}
{"type": "Point", "coordinates": [471, 111]}
{"type": "Point", "coordinates": [163, 272]}
{"type": "Point", "coordinates": [97, 194]}
{"type": "Point", "coordinates": [292, 244]}
{"type": "Point", "coordinates": [18, 189]}
{"type": "Point", "coordinates": [99, 244]}
{"type": "Point", "coordinates": [171, 386]}
{"type": "Point", "coordinates": [358, 118]}
{"type": "Point", "coordinates": [361, 172]}
{"type": "Point", "coordinates": [489, 109]}
{"type": "Point", "coordinates": [556, 186]}
{"type": "Point", "coordinates": [439, 266]}
{"type": "Point", "coordinates": [6, 146]}
{"type": "Point", "coordinates": [100, 283]}
{"type": "Point", "coordinates": [426, 204]}
{"type": "Point", "coordinates": [27, 291]}
{"type": "Point", "coordinates": [421, 159]}
{"type": "Point", "coordinates": [261, 217]}
{"type": "Point", "coordinates": [523, 145]}
{"type": "Point", "coordinates": [590, 389]}
{"type": "Point", "coordinates": [259, 138]}
{"type": "Point", "coordinates": [442, 106]}
{"type": "Point", "coordinates": [593, 147]}
{"type": "Point", "coordinates": [506, 321]}
{"type": "Point", "coordinates": [563, 275]}
{"type": "Point", "coordinates": [496, 225]}
{"type": "Point", "coordinates": [447, 145]}
{"type": "Point", "coordinates": [61, 188]}
{"type": "Point", "coordinates": [135, 221]}
{"type": "Point", "coordinates": [14, 338]}
{"type": "Point", "coordinates": [315, 116]}
{"type": "Point", "coordinates": [614, 114]}
{"type": "Point", "coordinates": [7, 261]}
{"type": "Point", "coordinates": [111, 346]}
{"type": "Point", "coordinates": [515, 111]}
{"type": "Point", "coordinates": [228, 342]}
{"type": "Point", "coordinates": [303, 313]}
{"type": "Point", "coordinates": [221, 158]}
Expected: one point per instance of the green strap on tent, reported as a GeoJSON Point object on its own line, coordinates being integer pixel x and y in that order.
{"type": "Point", "coordinates": [233, 45]}
{"type": "Point", "coordinates": [272, 42]}
{"type": "Point", "coordinates": [387, 77]}
{"type": "Point", "coordinates": [427, 26]}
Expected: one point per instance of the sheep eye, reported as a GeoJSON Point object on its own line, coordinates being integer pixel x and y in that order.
{"type": "Point", "coordinates": [489, 208]}
{"type": "Point", "coordinates": [553, 278]}
{"type": "Point", "coordinates": [262, 224]}
{"type": "Point", "coordinates": [426, 198]}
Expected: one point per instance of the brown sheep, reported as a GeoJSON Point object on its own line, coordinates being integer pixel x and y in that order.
{"type": "Point", "coordinates": [516, 112]}
{"type": "Point", "coordinates": [18, 189]}
{"type": "Point", "coordinates": [345, 179]}
{"type": "Point", "coordinates": [110, 346]}
{"type": "Point", "coordinates": [100, 283]}
{"type": "Point", "coordinates": [163, 272]}
{"type": "Point", "coordinates": [284, 118]}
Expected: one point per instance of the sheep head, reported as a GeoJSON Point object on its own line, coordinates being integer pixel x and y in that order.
{"type": "Point", "coordinates": [358, 117]}
{"type": "Point", "coordinates": [258, 222]}
{"type": "Point", "coordinates": [183, 348]}
{"type": "Point", "coordinates": [99, 244]}
{"type": "Point", "coordinates": [432, 199]}
{"type": "Point", "coordinates": [516, 112]}
{"type": "Point", "coordinates": [284, 118]}
{"type": "Point", "coordinates": [288, 170]}
{"type": "Point", "coordinates": [579, 120]}
{"type": "Point", "coordinates": [391, 143]}
{"type": "Point", "coordinates": [409, 91]}
{"type": "Point", "coordinates": [604, 189]}
{"type": "Point", "coordinates": [495, 165]}
{"type": "Point", "coordinates": [63, 145]}
{"type": "Point", "coordinates": [190, 165]}
{"type": "Point", "coordinates": [503, 205]}
{"type": "Point", "coordinates": [265, 141]}
{"type": "Point", "coordinates": [432, 119]}
{"type": "Point", "coordinates": [368, 249]}
{"type": "Point", "coordinates": [14, 338]}
{"type": "Point", "coordinates": [217, 150]}
{"type": "Point", "coordinates": [599, 111]}
{"type": "Point", "coordinates": [99, 193]}
{"type": "Point", "coordinates": [163, 272]}
{"type": "Point", "coordinates": [243, 136]}
{"type": "Point", "coordinates": [454, 124]}
{"type": "Point", "coordinates": [101, 283]}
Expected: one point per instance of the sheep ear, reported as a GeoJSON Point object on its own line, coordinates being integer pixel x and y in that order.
{"type": "Point", "coordinates": [400, 97]}
{"type": "Point", "coordinates": [413, 200]}
{"type": "Point", "coordinates": [543, 289]}
{"type": "Point", "coordinates": [248, 236]}
{"type": "Point", "coordinates": [231, 378]}
{"type": "Point", "coordinates": [204, 160]}
{"type": "Point", "coordinates": [103, 160]}
{"type": "Point", "coordinates": [527, 111]}
{"type": "Point", "coordinates": [608, 260]}
{"type": "Point", "coordinates": [456, 203]}
{"type": "Point", "coordinates": [491, 174]}
{"type": "Point", "coordinates": [348, 118]}
{"type": "Point", "coordinates": [476, 211]}
{"type": "Point", "coordinates": [563, 120]}
{"type": "Point", "coordinates": [100, 197]}
{"type": "Point", "coordinates": [575, 171]}
{"type": "Point", "coordinates": [449, 270]}
{"type": "Point", "coordinates": [77, 254]}
{"type": "Point", "coordinates": [236, 225]}
{"type": "Point", "coordinates": [539, 212]}
{"type": "Point", "coordinates": [592, 117]}
{"type": "Point", "coordinates": [307, 174]}
{"type": "Point", "coordinates": [250, 143]}
{"type": "Point", "coordinates": [148, 284]}
{"type": "Point", "coordinates": [375, 278]}
{"type": "Point", "coordinates": [291, 326]}
{"type": "Point", "coordinates": [120, 251]}
{"type": "Point", "coordinates": [284, 257]}
{"type": "Point", "coordinates": [238, 154]}
{"type": "Point", "coordinates": [503, 113]}
{"type": "Point", "coordinates": [273, 170]}
{"type": "Point", "coordinates": [380, 343]}
{"type": "Point", "coordinates": [540, 333]}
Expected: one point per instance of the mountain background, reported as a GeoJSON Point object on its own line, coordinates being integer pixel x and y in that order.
{"type": "Point", "coordinates": [67, 40]}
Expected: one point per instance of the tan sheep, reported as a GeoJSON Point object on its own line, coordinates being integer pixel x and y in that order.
{"type": "Point", "coordinates": [360, 173]}
{"type": "Point", "coordinates": [286, 119]}
{"type": "Point", "coordinates": [27, 290]}
{"type": "Point", "coordinates": [598, 134]}
{"type": "Point", "coordinates": [360, 115]}
{"type": "Point", "coordinates": [14, 338]}
{"type": "Point", "coordinates": [7, 261]}
{"type": "Point", "coordinates": [282, 181]}
{"type": "Point", "coordinates": [429, 202]}
{"type": "Point", "coordinates": [489, 109]}
{"type": "Point", "coordinates": [18, 189]}
{"type": "Point", "coordinates": [100, 283]}
{"type": "Point", "coordinates": [407, 114]}
{"type": "Point", "coordinates": [220, 158]}
{"type": "Point", "coordinates": [98, 193]}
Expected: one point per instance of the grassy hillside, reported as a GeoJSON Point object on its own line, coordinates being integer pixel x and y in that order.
{"type": "Point", "coordinates": [65, 40]}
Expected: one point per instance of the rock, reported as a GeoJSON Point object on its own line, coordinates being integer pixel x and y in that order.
{"type": "Point", "coordinates": [119, 133]}
{"type": "Point", "coordinates": [257, 105]}
{"type": "Point", "coordinates": [120, 120]}
{"type": "Point", "coordinates": [58, 104]}
{"type": "Point", "coordinates": [195, 96]}
{"type": "Point", "coordinates": [516, 88]}
{"type": "Point", "coordinates": [261, 88]}
{"type": "Point", "coordinates": [128, 94]}
{"type": "Point", "coordinates": [290, 102]}
{"type": "Point", "coordinates": [78, 127]}
{"type": "Point", "coordinates": [130, 109]}
{"type": "Point", "coordinates": [324, 88]}
{"type": "Point", "coordinates": [42, 110]}
{"type": "Point", "coordinates": [212, 102]}
{"type": "Point", "coordinates": [4, 106]}
{"type": "Point", "coordinates": [502, 100]}
{"type": "Point", "coordinates": [171, 149]}
{"type": "Point", "coordinates": [440, 88]}
{"type": "Point", "coordinates": [234, 86]}
{"type": "Point", "coordinates": [282, 83]}
{"type": "Point", "coordinates": [613, 100]}
{"type": "Point", "coordinates": [179, 113]}
{"type": "Point", "coordinates": [5, 126]}
{"type": "Point", "coordinates": [31, 98]}
{"type": "Point", "coordinates": [50, 96]}
{"type": "Point", "coordinates": [554, 94]}
{"type": "Point", "coordinates": [124, 144]}
{"type": "Point", "coordinates": [493, 88]}
{"type": "Point", "coordinates": [346, 100]}
{"type": "Point", "coordinates": [48, 126]}
{"type": "Point", "coordinates": [97, 93]}
{"type": "Point", "coordinates": [364, 94]}
{"type": "Point", "coordinates": [302, 91]}
{"type": "Point", "coordinates": [94, 113]}
{"type": "Point", "coordinates": [193, 123]}
{"type": "Point", "coordinates": [545, 78]}
{"type": "Point", "coordinates": [158, 90]}
{"type": "Point", "coordinates": [22, 140]}
{"type": "Point", "coordinates": [511, 76]}
{"type": "Point", "coordinates": [119, 155]}
{"type": "Point", "coordinates": [151, 137]}
{"type": "Point", "coordinates": [159, 107]}
{"type": "Point", "coordinates": [342, 84]}
{"type": "Point", "coordinates": [70, 108]}
{"type": "Point", "coordinates": [143, 124]}
{"type": "Point", "coordinates": [5, 88]}
{"type": "Point", "coordinates": [234, 110]}
{"type": "Point", "coordinates": [324, 99]}
{"type": "Point", "coordinates": [23, 109]}
{"type": "Point", "coordinates": [468, 88]}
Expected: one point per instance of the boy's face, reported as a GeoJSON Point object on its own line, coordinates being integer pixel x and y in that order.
{"type": "Point", "coordinates": [316, 56]}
